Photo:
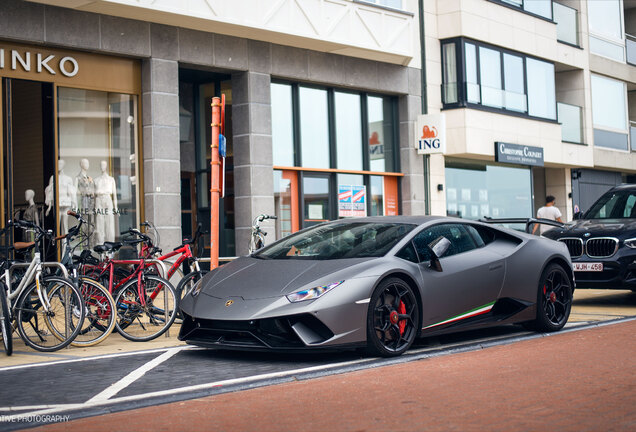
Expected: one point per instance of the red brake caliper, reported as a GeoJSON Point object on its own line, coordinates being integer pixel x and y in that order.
{"type": "Point", "coordinates": [402, 311]}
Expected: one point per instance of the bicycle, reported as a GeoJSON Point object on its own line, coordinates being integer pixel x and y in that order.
{"type": "Point", "coordinates": [185, 258]}
{"type": "Point", "coordinates": [257, 237]}
{"type": "Point", "coordinates": [139, 295]}
{"type": "Point", "coordinates": [98, 302]}
{"type": "Point", "coordinates": [52, 300]}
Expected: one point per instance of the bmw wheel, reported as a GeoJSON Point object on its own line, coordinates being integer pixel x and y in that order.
{"type": "Point", "coordinates": [392, 319]}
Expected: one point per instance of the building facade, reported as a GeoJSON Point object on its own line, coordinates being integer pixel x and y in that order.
{"type": "Point", "coordinates": [553, 78]}
{"type": "Point", "coordinates": [106, 109]}
{"type": "Point", "coordinates": [319, 94]}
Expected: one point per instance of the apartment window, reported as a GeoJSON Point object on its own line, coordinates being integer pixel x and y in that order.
{"type": "Point", "coordinates": [395, 4]}
{"type": "Point", "coordinates": [609, 113]}
{"type": "Point", "coordinates": [492, 77]}
{"type": "Point", "coordinates": [567, 23]}
{"type": "Point", "coordinates": [605, 18]}
{"type": "Point", "coordinates": [542, 8]}
{"type": "Point", "coordinates": [334, 155]}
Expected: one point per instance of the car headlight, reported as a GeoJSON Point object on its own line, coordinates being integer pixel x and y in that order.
{"type": "Point", "coordinates": [631, 243]}
{"type": "Point", "coordinates": [196, 289]}
{"type": "Point", "coordinates": [312, 293]}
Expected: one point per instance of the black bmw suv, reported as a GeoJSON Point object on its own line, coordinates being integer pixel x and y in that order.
{"type": "Point", "coordinates": [602, 241]}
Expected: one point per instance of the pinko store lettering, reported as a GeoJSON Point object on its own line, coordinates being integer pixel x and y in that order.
{"type": "Point", "coordinates": [38, 62]}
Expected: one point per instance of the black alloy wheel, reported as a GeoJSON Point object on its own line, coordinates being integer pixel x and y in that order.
{"type": "Point", "coordinates": [554, 300]}
{"type": "Point", "coordinates": [392, 319]}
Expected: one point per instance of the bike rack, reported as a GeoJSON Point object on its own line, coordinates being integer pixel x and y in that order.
{"type": "Point", "coordinates": [43, 264]}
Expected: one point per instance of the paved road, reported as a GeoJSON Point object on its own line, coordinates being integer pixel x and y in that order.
{"type": "Point", "coordinates": [575, 381]}
{"type": "Point", "coordinates": [79, 384]}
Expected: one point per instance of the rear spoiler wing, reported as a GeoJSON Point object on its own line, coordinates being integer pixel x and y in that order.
{"type": "Point", "coordinates": [527, 221]}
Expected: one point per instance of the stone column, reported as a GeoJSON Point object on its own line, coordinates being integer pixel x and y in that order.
{"type": "Point", "coordinates": [161, 164]}
{"type": "Point", "coordinates": [411, 163]}
{"type": "Point", "coordinates": [252, 135]}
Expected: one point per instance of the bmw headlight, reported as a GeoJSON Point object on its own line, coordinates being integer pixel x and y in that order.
{"type": "Point", "coordinates": [196, 289]}
{"type": "Point", "coordinates": [631, 243]}
{"type": "Point", "coordinates": [312, 293]}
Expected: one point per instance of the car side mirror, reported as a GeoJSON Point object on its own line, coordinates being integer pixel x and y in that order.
{"type": "Point", "coordinates": [438, 249]}
{"type": "Point", "coordinates": [578, 215]}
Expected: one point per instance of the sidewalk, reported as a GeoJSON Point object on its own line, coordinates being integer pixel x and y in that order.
{"type": "Point", "coordinates": [577, 381]}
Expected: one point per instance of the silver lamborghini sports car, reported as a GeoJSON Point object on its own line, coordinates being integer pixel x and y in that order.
{"type": "Point", "coordinates": [378, 283]}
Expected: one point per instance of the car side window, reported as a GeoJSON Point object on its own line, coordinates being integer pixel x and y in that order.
{"type": "Point", "coordinates": [461, 240]}
{"type": "Point", "coordinates": [408, 253]}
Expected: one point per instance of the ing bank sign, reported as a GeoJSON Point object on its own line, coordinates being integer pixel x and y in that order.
{"type": "Point", "coordinates": [28, 61]}
{"type": "Point", "coordinates": [430, 134]}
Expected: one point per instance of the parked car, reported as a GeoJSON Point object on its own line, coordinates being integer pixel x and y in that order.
{"type": "Point", "coordinates": [602, 241]}
{"type": "Point", "coordinates": [379, 283]}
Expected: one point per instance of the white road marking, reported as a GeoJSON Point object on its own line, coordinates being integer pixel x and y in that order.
{"type": "Point", "coordinates": [99, 357]}
{"type": "Point", "coordinates": [38, 407]}
{"type": "Point", "coordinates": [94, 402]}
{"type": "Point", "coordinates": [113, 389]}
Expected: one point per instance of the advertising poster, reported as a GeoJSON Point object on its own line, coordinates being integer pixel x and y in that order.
{"type": "Point", "coordinates": [352, 201]}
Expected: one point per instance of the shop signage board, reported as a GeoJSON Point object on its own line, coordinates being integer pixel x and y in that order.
{"type": "Point", "coordinates": [518, 154]}
{"type": "Point", "coordinates": [352, 201]}
{"type": "Point", "coordinates": [430, 134]}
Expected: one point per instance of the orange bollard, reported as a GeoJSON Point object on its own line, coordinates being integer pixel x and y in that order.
{"type": "Point", "coordinates": [215, 190]}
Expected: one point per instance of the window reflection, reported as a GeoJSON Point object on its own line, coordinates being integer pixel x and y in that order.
{"type": "Point", "coordinates": [348, 131]}
{"type": "Point", "coordinates": [474, 191]}
{"type": "Point", "coordinates": [381, 128]}
{"type": "Point", "coordinates": [97, 149]}
{"type": "Point", "coordinates": [490, 71]}
{"type": "Point", "coordinates": [541, 91]}
{"type": "Point", "coordinates": [314, 128]}
{"type": "Point", "coordinates": [282, 125]}
{"type": "Point", "coordinates": [316, 199]}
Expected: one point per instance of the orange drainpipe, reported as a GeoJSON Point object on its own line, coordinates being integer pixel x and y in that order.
{"type": "Point", "coordinates": [215, 190]}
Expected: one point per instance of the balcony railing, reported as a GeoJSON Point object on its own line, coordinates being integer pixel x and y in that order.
{"type": "Point", "coordinates": [630, 47]}
{"type": "Point", "coordinates": [570, 117]}
{"type": "Point", "coordinates": [567, 20]}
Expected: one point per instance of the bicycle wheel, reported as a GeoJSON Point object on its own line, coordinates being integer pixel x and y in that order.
{"type": "Point", "coordinates": [5, 321]}
{"type": "Point", "coordinates": [99, 305]}
{"type": "Point", "coordinates": [145, 312]}
{"type": "Point", "coordinates": [185, 286]}
{"type": "Point", "coordinates": [53, 328]}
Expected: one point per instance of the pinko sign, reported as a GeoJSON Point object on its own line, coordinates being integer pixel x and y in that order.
{"type": "Point", "coordinates": [430, 134]}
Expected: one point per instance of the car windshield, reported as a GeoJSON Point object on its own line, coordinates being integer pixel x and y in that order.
{"type": "Point", "coordinates": [337, 241]}
{"type": "Point", "coordinates": [614, 205]}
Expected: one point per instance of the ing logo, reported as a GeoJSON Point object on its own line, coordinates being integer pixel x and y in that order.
{"type": "Point", "coordinates": [428, 133]}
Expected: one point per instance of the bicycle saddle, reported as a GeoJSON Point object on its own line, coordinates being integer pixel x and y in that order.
{"type": "Point", "coordinates": [107, 247]}
{"type": "Point", "coordinates": [23, 245]}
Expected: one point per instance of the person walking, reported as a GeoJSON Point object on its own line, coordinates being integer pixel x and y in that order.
{"type": "Point", "coordinates": [548, 211]}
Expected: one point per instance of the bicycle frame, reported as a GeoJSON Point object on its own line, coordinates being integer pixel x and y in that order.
{"type": "Point", "coordinates": [141, 264]}
{"type": "Point", "coordinates": [33, 272]}
{"type": "Point", "coordinates": [184, 253]}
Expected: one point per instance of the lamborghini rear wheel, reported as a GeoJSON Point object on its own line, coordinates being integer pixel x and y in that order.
{"type": "Point", "coordinates": [554, 300]}
{"type": "Point", "coordinates": [392, 319]}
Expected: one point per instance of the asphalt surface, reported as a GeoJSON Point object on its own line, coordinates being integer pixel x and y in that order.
{"type": "Point", "coordinates": [33, 393]}
{"type": "Point", "coordinates": [572, 381]}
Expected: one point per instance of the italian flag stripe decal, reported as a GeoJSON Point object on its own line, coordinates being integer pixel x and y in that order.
{"type": "Point", "coordinates": [477, 311]}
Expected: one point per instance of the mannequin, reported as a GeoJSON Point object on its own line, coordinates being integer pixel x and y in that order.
{"type": "Point", "coordinates": [66, 196]}
{"type": "Point", "coordinates": [31, 213]}
{"type": "Point", "coordinates": [105, 205]}
{"type": "Point", "coordinates": [85, 187]}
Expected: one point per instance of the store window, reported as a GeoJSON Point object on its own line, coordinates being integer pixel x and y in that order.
{"type": "Point", "coordinates": [609, 113]}
{"type": "Point", "coordinates": [475, 190]}
{"type": "Point", "coordinates": [97, 166]}
{"type": "Point", "coordinates": [345, 162]}
{"type": "Point", "coordinates": [497, 78]}
{"type": "Point", "coordinates": [605, 19]}
{"type": "Point", "coordinates": [314, 128]}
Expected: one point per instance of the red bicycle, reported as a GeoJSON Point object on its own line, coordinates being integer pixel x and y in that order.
{"type": "Point", "coordinates": [186, 260]}
{"type": "Point", "coordinates": [146, 303]}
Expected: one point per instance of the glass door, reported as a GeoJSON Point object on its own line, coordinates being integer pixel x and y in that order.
{"type": "Point", "coordinates": [316, 203]}
{"type": "Point", "coordinates": [28, 155]}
